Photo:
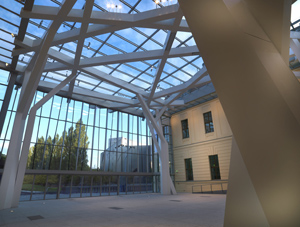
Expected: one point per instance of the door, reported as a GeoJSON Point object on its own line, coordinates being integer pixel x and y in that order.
{"type": "Point", "coordinates": [214, 167]}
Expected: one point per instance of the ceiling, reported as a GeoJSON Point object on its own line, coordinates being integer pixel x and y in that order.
{"type": "Point", "coordinates": [112, 50]}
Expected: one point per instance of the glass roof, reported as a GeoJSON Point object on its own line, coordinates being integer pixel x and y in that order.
{"type": "Point", "coordinates": [130, 43]}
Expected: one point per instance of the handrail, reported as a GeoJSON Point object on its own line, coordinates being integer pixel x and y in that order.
{"type": "Point", "coordinates": [211, 184]}
{"type": "Point", "coordinates": [90, 187]}
{"type": "Point", "coordinates": [86, 173]}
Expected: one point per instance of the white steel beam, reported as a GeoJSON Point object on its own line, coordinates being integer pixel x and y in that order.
{"type": "Point", "coordinates": [27, 138]}
{"type": "Point", "coordinates": [56, 55]}
{"type": "Point", "coordinates": [193, 81]}
{"type": "Point", "coordinates": [32, 114]}
{"type": "Point", "coordinates": [165, 180]}
{"type": "Point", "coordinates": [124, 58]}
{"type": "Point", "coordinates": [10, 170]}
{"type": "Point", "coordinates": [295, 35]}
{"type": "Point", "coordinates": [167, 47]}
{"type": "Point", "coordinates": [98, 17]}
{"type": "Point", "coordinates": [83, 29]}
{"type": "Point", "coordinates": [98, 29]}
{"type": "Point", "coordinates": [109, 18]}
{"type": "Point", "coordinates": [93, 94]}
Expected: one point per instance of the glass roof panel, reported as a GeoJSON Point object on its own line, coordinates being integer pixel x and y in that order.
{"type": "Point", "coordinates": [140, 84]}
{"type": "Point", "coordinates": [121, 43]}
{"type": "Point", "coordinates": [104, 91]}
{"type": "Point", "coordinates": [121, 76]}
{"type": "Point", "coordinates": [160, 36]}
{"type": "Point", "coordinates": [295, 14]}
{"type": "Point", "coordinates": [109, 50]}
{"type": "Point", "coordinates": [130, 34]}
{"type": "Point", "coordinates": [124, 38]}
{"type": "Point", "coordinates": [87, 79]}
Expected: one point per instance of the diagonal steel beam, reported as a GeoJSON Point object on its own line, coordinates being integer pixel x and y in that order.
{"type": "Point", "coordinates": [98, 29]}
{"type": "Point", "coordinates": [190, 83]}
{"type": "Point", "coordinates": [124, 58]}
{"type": "Point", "coordinates": [56, 55]}
{"type": "Point", "coordinates": [167, 47]}
{"type": "Point", "coordinates": [98, 17]}
{"type": "Point", "coordinates": [83, 29]}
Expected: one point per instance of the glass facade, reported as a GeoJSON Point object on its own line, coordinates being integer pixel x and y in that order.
{"type": "Point", "coordinates": [74, 136]}
{"type": "Point", "coordinates": [4, 77]}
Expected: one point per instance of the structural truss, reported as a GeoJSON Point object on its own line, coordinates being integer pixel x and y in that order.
{"type": "Point", "coordinates": [113, 51]}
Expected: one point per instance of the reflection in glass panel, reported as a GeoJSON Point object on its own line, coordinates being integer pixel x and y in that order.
{"type": "Point", "coordinates": [86, 188]}
{"type": "Point", "coordinates": [65, 190]}
{"type": "Point", "coordinates": [26, 187]}
{"type": "Point", "coordinates": [38, 187]}
{"type": "Point", "coordinates": [105, 185]}
{"type": "Point", "coordinates": [96, 185]}
{"type": "Point", "coordinates": [123, 185]}
{"type": "Point", "coordinates": [52, 187]}
{"type": "Point", "coordinates": [76, 186]}
{"type": "Point", "coordinates": [114, 185]}
{"type": "Point", "coordinates": [130, 185]}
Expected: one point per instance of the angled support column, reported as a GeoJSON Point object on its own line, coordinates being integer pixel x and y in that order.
{"type": "Point", "coordinates": [28, 134]}
{"type": "Point", "coordinates": [261, 99]}
{"type": "Point", "coordinates": [164, 146]}
{"type": "Point", "coordinates": [7, 186]}
{"type": "Point", "coordinates": [166, 183]}
{"type": "Point", "coordinates": [7, 98]}
{"type": "Point", "coordinates": [32, 113]}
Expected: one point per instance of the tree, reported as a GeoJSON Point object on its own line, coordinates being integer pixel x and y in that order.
{"type": "Point", "coordinates": [69, 148]}
{"type": "Point", "coordinates": [2, 161]}
{"type": "Point", "coordinates": [75, 148]}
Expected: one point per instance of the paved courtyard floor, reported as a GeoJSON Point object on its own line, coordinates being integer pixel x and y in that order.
{"type": "Point", "coordinates": [183, 209]}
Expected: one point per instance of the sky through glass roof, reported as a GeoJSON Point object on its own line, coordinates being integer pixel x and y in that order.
{"type": "Point", "coordinates": [130, 46]}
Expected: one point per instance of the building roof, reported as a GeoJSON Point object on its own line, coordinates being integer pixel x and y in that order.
{"type": "Point", "coordinates": [123, 48]}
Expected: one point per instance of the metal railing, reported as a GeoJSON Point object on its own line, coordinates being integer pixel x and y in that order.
{"type": "Point", "coordinates": [220, 187]}
{"type": "Point", "coordinates": [58, 184]}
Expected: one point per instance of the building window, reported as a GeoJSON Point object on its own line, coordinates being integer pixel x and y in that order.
{"type": "Point", "coordinates": [214, 167]}
{"type": "Point", "coordinates": [185, 129]}
{"type": "Point", "coordinates": [188, 169]}
{"type": "Point", "coordinates": [208, 122]}
{"type": "Point", "coordinates": [166, 133]}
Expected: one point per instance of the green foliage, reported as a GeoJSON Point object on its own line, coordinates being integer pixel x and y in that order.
{"type": "Point", "coordinates": [2, 161]}
{"type": "Point", "coordinates": [72, 145]}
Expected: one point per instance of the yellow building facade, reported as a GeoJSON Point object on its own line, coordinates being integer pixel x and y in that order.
{"type": "Point", "coordinates": [200, 146]}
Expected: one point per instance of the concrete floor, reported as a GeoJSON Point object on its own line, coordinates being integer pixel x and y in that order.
{"type": "Point", "coordinates": [137, 210]}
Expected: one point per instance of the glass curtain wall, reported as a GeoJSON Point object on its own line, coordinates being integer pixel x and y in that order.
{"type": "Point", "coordinates": [4, 77]}
{"type": "Point", "coordinates": [71, 136]}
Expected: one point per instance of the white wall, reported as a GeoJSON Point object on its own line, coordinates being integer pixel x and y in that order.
{"type": "Point", "coordinates": [200, 145]}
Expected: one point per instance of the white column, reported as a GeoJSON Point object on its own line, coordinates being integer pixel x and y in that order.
{"type": "Point", "coordinates": [27, 138]}
{"type": "Point", "coordinates": [166, 183]}
{"type": "Point", "coordinates": [32, 77]}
